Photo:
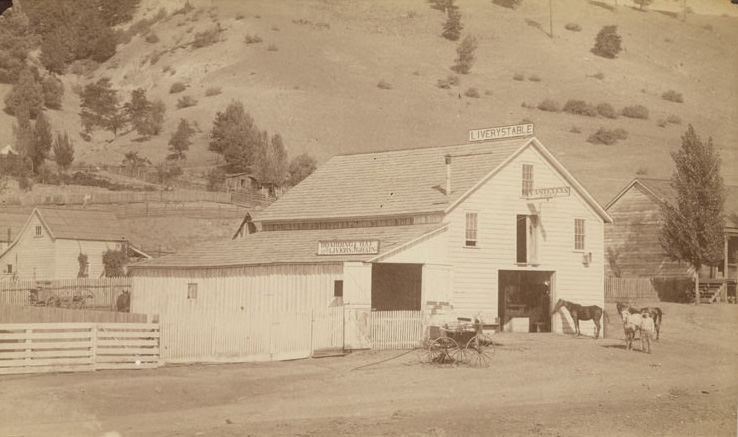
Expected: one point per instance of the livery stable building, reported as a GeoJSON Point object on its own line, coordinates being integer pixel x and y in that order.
{"type": "Point", "coordinates": [497, 229]}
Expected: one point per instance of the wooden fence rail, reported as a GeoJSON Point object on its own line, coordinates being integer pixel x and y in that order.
{"type": "Point", "coordinates": [396, 329]}
{"type": "Point", "coordinates": [99, 293]}
{"type": "Point", "coordinates": [77, 347]}
{"type": "Point", "coordinates": [629, 289]}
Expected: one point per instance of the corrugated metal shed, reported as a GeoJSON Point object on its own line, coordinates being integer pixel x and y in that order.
{"type": "Point", "coordinates": [286, 247]}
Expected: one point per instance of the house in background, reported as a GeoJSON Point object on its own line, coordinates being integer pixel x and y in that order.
{"type": "Point", "coordinates": [248, 183]}
{"type": "Point", "coordinates": [499, 230]}
{"type": "Point", "coordinates": [632, 247]}
{"type": "Point", "coordinates": [49, 244]}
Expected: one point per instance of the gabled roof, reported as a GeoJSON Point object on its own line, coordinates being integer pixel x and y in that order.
{"type": "Point", "coordinates": [286, 247]}
{"type": "Point", "coordinates": [80, 224]}
{"type": "Point", "coordinates": [403, 182]}
{"type": "Point", "coordinates": [660, 190]}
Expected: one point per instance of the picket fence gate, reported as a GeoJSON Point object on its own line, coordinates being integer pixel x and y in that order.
{"type": "Point", "coordinates": [396, 329]}
{"type": "Point", "coordinates": [77, 347]}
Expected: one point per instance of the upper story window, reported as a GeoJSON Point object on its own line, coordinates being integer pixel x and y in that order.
{"type": "Point", "coordinates": [39, 231]}
{"type": "Point", "coordinates": [471, 229]}
{"type": "Point", "coordinates": [527, 179]}
{"type": "Point", "coordinates": [526, 227]}
{"type": "Point", "coordinates": [579, 230]}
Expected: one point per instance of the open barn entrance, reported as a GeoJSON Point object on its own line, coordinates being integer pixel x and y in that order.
{"type": "Point", "coordinates": [524, 303]}
{"type": "Point", "coordinates": [396, 287]}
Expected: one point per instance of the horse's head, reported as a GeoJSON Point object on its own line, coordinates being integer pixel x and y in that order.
{"type": "Point", "coordinates": [559, 304]}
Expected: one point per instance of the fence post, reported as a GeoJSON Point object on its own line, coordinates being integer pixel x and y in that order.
{"type": "Point", "coordinates": [93, 346]}
{"type": "Point", "coordinates": [28, 346]}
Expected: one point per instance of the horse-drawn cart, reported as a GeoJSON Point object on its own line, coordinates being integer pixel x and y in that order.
{"type": "Point", "coordinates": [463, 342]}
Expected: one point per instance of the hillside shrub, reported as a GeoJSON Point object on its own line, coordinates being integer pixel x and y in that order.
{"type": "Point", "coordinates": [252, 39]}
{"type": "Point", "coordinates": [53, 90]}
{"type": "Point", "coordinates": [607, 42]}
{"type": "Point", "coordinates": [672, 96]}
{"type": "Point", "coordinates": [674, 119]}
{"type": "Point", "coordinates": [465, 55]}
{"type": "Point", "coordinates": [620, 133]}
{"type": "Point", "coordinates": [207, 37]}
{"type": "Point", "coordinates": [518, 76]}
{"type": "Point", "coordinates": [575, 130]}
{"type": "Point", "coordinates": [510, 4]}
{"type": "Point", "coordinates": [383, 84]}
{"type": "Point", "coordinates": [580, 107]}
{"type": "Point", "coordinates": [177, 87]}
{"type": "Point", "coordinates": [549, 106]}
{"type": "Point", "coordinates": [452, 27]}
{"type": "Point", "coordinates": [472, 92]}
{"type": "Point", "coordinates": [635, 111]}
{"type": "Point", "coordinates": [607, 110]}
{"type": "Point", "coordinates": [186, 102]}
{"type": "Point", "coordinates": [534, 78]}
{"type": "Point", "coordinates": [574, 27]}
{"type": "Point", "coordinates": [599, 75]}
{"type": "Point", "coordinates": [448, 82]}
{"type": "Point", "coordinates": [152, 38]}
{"type": "Point", "coordinates": [212, 91]}
{"type": "Point", "coordinates": [603, 136]}
{"type": "Point", "coordinates": [661, 122]}
{"type": "Point", "coordinates": [272, 47]}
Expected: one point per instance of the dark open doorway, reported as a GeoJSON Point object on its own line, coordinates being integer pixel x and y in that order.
{"type": "Point", "coordinates": [525, 300]}
{"type": "Point", "coordinates": [396, 287]}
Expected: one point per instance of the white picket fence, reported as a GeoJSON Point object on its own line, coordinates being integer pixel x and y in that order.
{"type": "Point", "coordinates": [77, 347]}
{"type": "Point", "coordinates": [396, 329]}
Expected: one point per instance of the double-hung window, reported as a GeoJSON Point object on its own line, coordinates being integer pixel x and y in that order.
{"type": "Point", "coordinates": [471, 230]}
{"type": "Point", "coordinates": [527, 186]}
{"type": "Point", "coordinates": [579, 234]}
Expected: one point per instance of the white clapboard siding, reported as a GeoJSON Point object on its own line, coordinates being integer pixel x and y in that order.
{"type": "Point", "coordinates": [72, 347]}
{"type": "Point", "coordinates": [396, 329]}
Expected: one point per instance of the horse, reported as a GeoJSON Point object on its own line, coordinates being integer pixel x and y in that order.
{"type": "Point", "coordinates": [631, 323]}
{"type": "Point", "coordinates": [656, 314]}
{"type": "Point", "coordinates": [579, 312]}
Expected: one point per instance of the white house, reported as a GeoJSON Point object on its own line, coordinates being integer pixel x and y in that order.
{"type": "Point", "coordinates": [49, 244]}
{"type": "Point", "coordinates": [497, 229]}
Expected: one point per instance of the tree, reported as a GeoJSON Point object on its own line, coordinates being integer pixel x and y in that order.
{"type": "Point", "coordinates": [27, 91]}
{"type": "Point", "coordinates": [692, 229]}
{"type": "Point", "coordinates": [16, 40]}
{"type": "Point", "coordinates": [165, 172]}
{"type": "Point", "coordinates": [235, 136]}
{"type": "Point", "coordinates": [441, 5]}
{"type": "Point", "coordinates": [99, 107]}
{"type": "Point", "coordinates": [452, 27]}
{"type": "Point", "coordinates": [158, 110]}
{"type": "Point", "coordinates": [465, 55]}
{"type": "Point", "coordinates": [115, 12]}
{"type": "Point", "coordinates": [216, 179]}
{"type": "Point", "coordinates": [54, 54]}
{"type": "Point", "coordinates": [300, 168]}
{"type": "Point", "coordinates": [134, 163]}
{"type": "Point", "coordinates": [180, 140]}
{"type": "Point", "coordinates": [63, 151]}
{"type": "Point", "coordinates": [146, 117]}
{"type": "Point", "coordinates": [114, 262]}
{"type": "Point", "coordinates": [607, 42]}
{"type": "Point", "coordinates": [41, 143]}
{"type": "Point", "coordinates": [272, 165]}
{"type": "Point", "coordinates": [53, 90]}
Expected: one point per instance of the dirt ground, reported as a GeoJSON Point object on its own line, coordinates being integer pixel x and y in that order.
{"type": "Point", "coordinates": [537, 384]}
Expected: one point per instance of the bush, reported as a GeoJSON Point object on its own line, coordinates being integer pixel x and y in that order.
{"type": "Point", "coordinates": [207, 37]}
{"type": "Point", "coordinates": [661, 123]}
{"type": "Point", "coordinates": [448, 82]}
{"type": "Point", "coordinates": [465, 55]}
{"type": "Point", "coordinates": [472, 92]}
{"type": "Point", "coordinates": [673, 96]}
{"type": "Point", "coordinates": [152, 38]}
{"type": "Point", "coordinates": [383, 84]}
{"type": "Point", "coordinates": [272, 47]}
{"type": "Point", "coordinates": [599, 75]}
{"type": "Point", "coordinates": [620, 133]}
{"type": "Point", "coordinates": [635, 111]}
{"type": "Point", "coordinates": [603, 136]}
{"type": "Point", "coordinates": [574, 27]}
{"type": "Point", "coordinates": [518, 76]}
{"type": "Point", "coordinates": [607, 110]}
{"type": "Point", "coordinates": [452, 27]}
{"type": "Point", "coordinates": [510, 4]}
{"type": "Point", "coordinates": [575, 130]}
{"type": "Point", "coordinates": [177, 87]}
{"type": "Point", "coordinates": [186, 102]}
{"type": "Point", "coordinates": [549, 105]}
{"type": "Point", "coordinates": [580, 107]}
{"type": "Point", "coordinates": [607, 42]}
{"type": "Point", "coordinates": [534, 78]}
{"type": "Point", "coordinates": [212, 91]}
{"type": "Point", "coordinates": [252, 39]}
{"type": "Point", "coordinates": [674, 119]}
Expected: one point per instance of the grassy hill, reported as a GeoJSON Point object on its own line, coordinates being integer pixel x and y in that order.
{"type": "Point", "coordinates": [314, 78]}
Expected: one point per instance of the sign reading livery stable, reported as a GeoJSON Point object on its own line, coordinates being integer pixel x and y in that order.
{"type": "Point", "coordinates": [494, 133]}
{"type": "Point", "coordinates": [348, 247]}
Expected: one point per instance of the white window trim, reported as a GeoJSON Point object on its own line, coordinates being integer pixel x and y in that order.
{"type": "Point", "coordinates": [533, 182]}
{"type": "Point", "coordinates": [38, 231]}
{"type": "Point", "coordinates": [574, 235]}
{"type": "Point", "coordinates": [476, 240]}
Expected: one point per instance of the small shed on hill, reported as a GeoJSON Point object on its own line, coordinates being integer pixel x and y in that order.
{"type": "Point", "coordinates": [500, 230]}
{"type": "Point", "coordinates": [632, 240]}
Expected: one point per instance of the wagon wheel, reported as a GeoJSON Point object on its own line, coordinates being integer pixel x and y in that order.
{"type": "Point", "coordinates": [476, 353]}
{"type": "Point", "coordinates": [445, 350]}
{"type": "Point", "coordinates": [423, 351]}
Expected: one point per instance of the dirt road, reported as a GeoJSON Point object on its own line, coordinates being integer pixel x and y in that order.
{"type": "Point", "coordinates": [538, 384]}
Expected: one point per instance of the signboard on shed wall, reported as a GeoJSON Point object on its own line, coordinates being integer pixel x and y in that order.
{"type": "Point", "coordinates": [348, 247]}
{"type": "Point", "coordinates": [495, 133]}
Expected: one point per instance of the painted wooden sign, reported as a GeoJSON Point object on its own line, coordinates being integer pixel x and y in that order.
{"type": "Point", "coordinates": [495, 133]}
{"type": "Point", "coordinates": [546, 193]}
{"type": "Point", "coordinates": [348, 247]}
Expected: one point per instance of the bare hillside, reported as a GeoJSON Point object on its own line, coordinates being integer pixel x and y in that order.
{"type": "Point", "coordinates": [313, 78]}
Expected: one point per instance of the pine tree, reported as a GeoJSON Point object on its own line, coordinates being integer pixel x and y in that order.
{"type": "Point", "coordinates": [23, 130]}
{"type": "Point", "coordinates": [27, 91]}
{"type": "Point", "coordinates": [452, 28]}
{"type": "Point", "coordinates": [180, 141]}
{"type": "Point", "coordinates": [235, 136]}
{"type": "Point", "coordinates": [138, 112]}
{"type": "Point", "coordinates": [273, 161]}
{"type": "Point", "coordinates": [692, 229]}
{"type": "Point", "coordinates": [99, 107]}
{"type": "Point", "coordinates": [53, 90]}
{"type": "Point", "coordinates": [607, 42]}
{"type": "Point", "coordinates": [465, 55]}
{"type": "Point", "coordinates": [41, 144]}
{"type": "Point", "coordinates": [300, 168]}
{"type": "Point", "coordinates": [54, 53]}
{"type": "Point", "coordinates": [16, 41]}
{"type": "Point", "coordinates": [63, 151]}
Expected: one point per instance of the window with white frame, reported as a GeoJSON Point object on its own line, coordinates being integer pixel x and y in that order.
{"type": "Point", "coordinates": [192, 291]}
{"type": "Point", "coordinates": [39, 230]}
{"type": "Point", "coordinates": [579, 230]}
{"type": "Point", "coordinates": [527, 179]}
{"type": "Point", "coordinates": [471, 229]}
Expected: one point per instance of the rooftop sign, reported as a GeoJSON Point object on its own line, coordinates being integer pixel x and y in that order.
{"type": "Point", "coordinates": [348, 247]}
{"type": "Point", "coordinates": [495, 133]}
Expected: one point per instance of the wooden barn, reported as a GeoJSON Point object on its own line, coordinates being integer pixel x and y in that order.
{"type": "Point", "coordinates": [632, 240]}
{"type": "Point", "coordinates": [496, 229]}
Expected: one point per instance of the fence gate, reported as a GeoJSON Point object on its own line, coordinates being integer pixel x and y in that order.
{"type": "Point", "coordinates": [328, 330]}
{"type": "Point", "coordinates": [396, 329]}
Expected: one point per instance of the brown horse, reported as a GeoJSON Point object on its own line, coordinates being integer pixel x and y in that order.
{"type": "Point", "coordinates": [579, 312]}
{"type": "Point", "coordinates": [656, 314]}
